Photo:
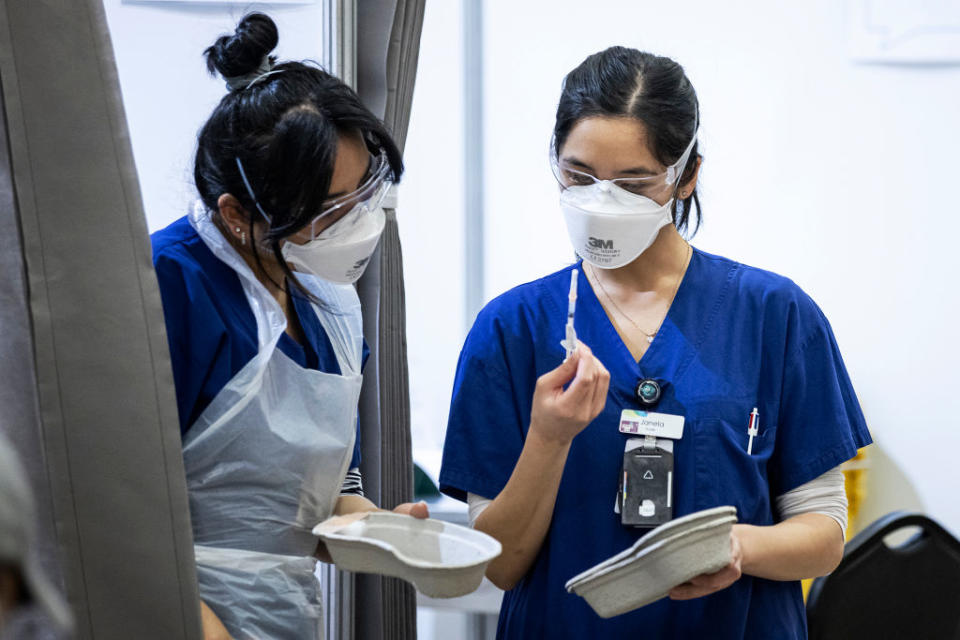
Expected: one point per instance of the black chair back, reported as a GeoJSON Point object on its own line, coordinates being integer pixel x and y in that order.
{"type": "Point", "coordinates": [908, 591]}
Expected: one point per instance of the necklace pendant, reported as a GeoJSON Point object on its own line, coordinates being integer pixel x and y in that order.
{"type": "Point", "coordinates": [649, 339]}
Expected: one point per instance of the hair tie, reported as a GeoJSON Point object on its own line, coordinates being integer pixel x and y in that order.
{"type": "Point", "coordinates": [247, 80]}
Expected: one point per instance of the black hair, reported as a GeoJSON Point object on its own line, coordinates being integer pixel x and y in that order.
{"type": "Point", "coordinates": [623, 82]}
{"type": "Point", "coordinates": [22, 590]}
{"type": "Point", "coordinates": [284, 128]}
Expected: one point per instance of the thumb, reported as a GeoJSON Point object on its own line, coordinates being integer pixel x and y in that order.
{"type": "Point", "coordinates": [565, 372]}
{"type": "Point", "coordinates": [420, 510]}
{"type": "Point", "coordinates": [415, 509]}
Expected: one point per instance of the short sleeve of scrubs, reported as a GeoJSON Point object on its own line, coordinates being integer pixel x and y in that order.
{"type": "Point", "coordinates": [490, 408]}
{"type": "Point", "coordinates": [821, 424]}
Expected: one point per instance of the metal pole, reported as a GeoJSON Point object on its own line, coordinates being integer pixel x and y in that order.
{"type": "Point", "coordinates": [339, 46]}
{"type": "Point", "coordinates": [473, 158]}
{"type": "Point", "coordinates": [340, 39]}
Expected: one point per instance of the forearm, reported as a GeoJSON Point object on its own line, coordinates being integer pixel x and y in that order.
{"type": "Point", "coordinates": [804, 546]}
{"type": "Point", "coordinates": [520, 515]}
{"type": "Point", "coordinates": [346, 504]}
{"type": "Point", "coordinates": [213, 629]}
{"type": "Point", "coordinates": [352, 504]}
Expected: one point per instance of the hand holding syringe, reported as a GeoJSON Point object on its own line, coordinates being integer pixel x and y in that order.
{"type": "Point", "coordinates": [570, 342]}
{"type": "Point", "coordinates": [571, 396]}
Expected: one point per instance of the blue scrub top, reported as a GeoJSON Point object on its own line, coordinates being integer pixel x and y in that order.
{"type": "Point", "coordinates": [734, 338]}
{"type": "Point", "coordinates": [210, 328]}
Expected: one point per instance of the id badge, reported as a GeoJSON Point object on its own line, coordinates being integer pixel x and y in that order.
{"type": "Point", "coordinates": [649, 423]}
{"type": "Point", "coordinates": [646, 483]}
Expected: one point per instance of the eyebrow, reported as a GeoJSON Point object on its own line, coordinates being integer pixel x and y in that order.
{"type": "Point", "coordinates": [640, 171]}
{"type": "Point", "coordinates": [635, 171]}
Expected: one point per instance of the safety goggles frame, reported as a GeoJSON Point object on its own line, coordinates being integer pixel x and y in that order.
{"type": "Point", "coordinates": [649, 186]}
{"type": "Point", "coordinates": [375, 185]}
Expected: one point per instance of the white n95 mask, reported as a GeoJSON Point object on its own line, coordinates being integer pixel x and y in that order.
{"type": "Point", "coordinates": [609, 226]}
{"type": "Point", "coordinates": [611, 222]}
{"type": "Point", "coordinates": [341, 252]}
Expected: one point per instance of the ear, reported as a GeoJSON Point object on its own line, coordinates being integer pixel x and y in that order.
{"type": "Point", "coordinates": [235, 218]}
{"type": "Point", "coordinates": [690, 185]}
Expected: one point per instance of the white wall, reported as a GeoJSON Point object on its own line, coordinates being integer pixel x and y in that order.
{"type": "Point", "coordinates": [838, 175]}
{"type": "Point", "coordinates": [431, 228]}
{"type": "Point", "coordinates": [167, 91]}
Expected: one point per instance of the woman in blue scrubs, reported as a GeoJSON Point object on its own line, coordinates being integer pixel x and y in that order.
{"type": "Point", "coordinates": [540, 462]}
{"type": "Point", "coordinates": [265, 330]}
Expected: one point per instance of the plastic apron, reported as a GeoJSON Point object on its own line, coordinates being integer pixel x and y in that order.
{"type": "Point", "coordinates": [266, 460]}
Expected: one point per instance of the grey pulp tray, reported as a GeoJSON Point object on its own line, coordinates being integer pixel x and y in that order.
{"type": "Point", "coordinates": [675, 526]}
{"type": "Point", "coordinates": [664, 558]}
{"type": "Point", "coordinates": [441, 559]}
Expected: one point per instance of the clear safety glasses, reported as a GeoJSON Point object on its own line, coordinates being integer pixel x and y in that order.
{"type": "Point", "coordinates": [654, 186]}
{"type": "Point", "coordinates": [371, 193]}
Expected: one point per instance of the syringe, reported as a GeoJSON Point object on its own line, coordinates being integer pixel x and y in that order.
{"type": "Point", "coordinates": [570, 342]}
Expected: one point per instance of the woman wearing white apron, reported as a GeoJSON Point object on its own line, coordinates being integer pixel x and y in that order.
{"type": "Point", "coordinates": [265, 329]}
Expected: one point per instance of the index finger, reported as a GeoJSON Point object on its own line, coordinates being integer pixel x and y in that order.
{"type": "Point", "coordinates": [584, 382]}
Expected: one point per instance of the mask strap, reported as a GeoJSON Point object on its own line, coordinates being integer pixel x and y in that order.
{"type": "Point", "coordinates": [246, 183]}
{"type": "Point", "coordinates": [672, 170]}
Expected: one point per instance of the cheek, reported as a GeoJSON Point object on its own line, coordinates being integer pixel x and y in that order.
{"type": "Point", "coordinates": [330, 219]}
{"type": "Point", "coordinates": [314, 229]}
{"type": "Point", "coordinates": [662, 196]}
{"type": "Point", "coordinates": [662, 199]}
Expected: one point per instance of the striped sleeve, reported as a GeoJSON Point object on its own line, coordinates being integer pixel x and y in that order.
{"type": "Point", "coordinates": [352, 484]}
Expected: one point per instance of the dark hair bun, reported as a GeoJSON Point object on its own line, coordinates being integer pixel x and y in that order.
{"type": "Point", "coordinates": [242, 53]}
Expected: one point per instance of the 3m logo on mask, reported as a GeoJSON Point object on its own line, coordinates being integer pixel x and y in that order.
{"type": "Point", "coordinates": [357, 269]}
{"type": "Point", "coordinates": [597, 243]}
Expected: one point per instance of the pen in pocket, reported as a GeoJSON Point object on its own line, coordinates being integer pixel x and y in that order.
{"type": "Point", "coordinates": [753, 428]}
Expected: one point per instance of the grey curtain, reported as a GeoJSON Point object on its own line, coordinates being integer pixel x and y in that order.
{"type": "Point", "coordinates": [85, 384]}
{"type": "Point", "coordinates": [19, 410]}
{"type": "Point", "coordinates": [388, 43]}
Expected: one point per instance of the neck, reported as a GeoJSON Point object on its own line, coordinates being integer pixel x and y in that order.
{"type": "Point", "coordinates": [268, 271]}
{"type": "Point", "coordinates": [661, 261]}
